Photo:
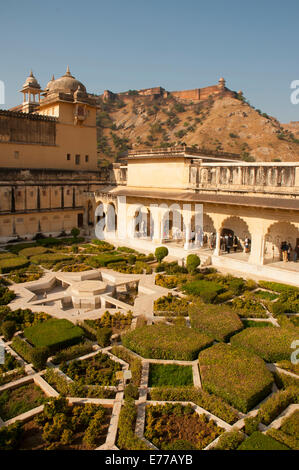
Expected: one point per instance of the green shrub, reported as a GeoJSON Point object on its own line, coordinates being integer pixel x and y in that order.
{"type": "Point", "coordinates": [54, 333]}
{"type": "Point", "coordinates": [170, 282]}
{"type": "Point", "coordinates": [290, 441]}
{"type": "Point", "coordinates": [238, 376]}
{"type": "Point", "coordinates": [251, 424]}
{"type": "Point", "coordinates": [73, 351]}
{"type": "Point", "coordinates": [22, 317]}
{"type": "Point", "coordinates": [131, 391]}
{"type": "Point", "coordinates": [6, 295]}
{"type": "Point", "coordinates": [39, 357]}
{"type": "Point", "coordinates": [134, 362]}
{"type": "Point", "coordinates": [103, 336]}
{"type": "Point", "coordinates": [170, 375]}
{"type": "Point", "coordinates": [8, 329]}
{"type": "Point", "coordinates": [160, 253]}
{"type": "Point", "coordinates": [249, 306]}
{"type": "Point", "coordinates": [193, 261]}
{"type": "Point", "coordinates": [22, 348]}
{"type": "Point", "coordinates": [96, 370]}
{"type": "Point", "coordinates": [163, 341]}
{"type": "Point", "coordinates": [127, 439]}
{"type": "Point", "coordinates": [209, 402]}
{"type": "Point", "coordinates": [28, 252]}
{"type": "Point", "coordinates": [103, 260]}
{"type": "Point", "coordinates": [229, 440]}
{"type": "Point", "coordinates": [10, 436]}
{"type": "Point", "coordinates": [271, 344]}
{"type": "Point", "coordinates": [277, 403]}
{"type": "Point", "coordinates": [219, 322]}
{"type": "Point", "coordinates": [171, 305]}
{"type": "Point", "coordinates": [103, 245]}
{"type": "Point", "coordinates": [48, 259]}
{"type": "Point", "coordinates": [10, 264]}
{"type": "Point", "coordinates": [131, 259]}
{"type": "Point", "coordinates": [259, 441]}
{"type": "Point", "coordinates": [207, 290]}
{"type": "Point", "coordinates": [278, 287]}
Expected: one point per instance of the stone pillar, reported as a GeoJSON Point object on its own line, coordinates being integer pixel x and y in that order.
{"type": "Point", "coordinates": [187, 214]}
{"type": "Point", "coordinates": [257, 248]}
{"type": "Point", "coordinates": [217, 247]}
{"type": "Point", "coordinates": [121, 217]}
{"type": "Point", "coordinates": [157, 238]}
{"type": "Point", "coordinates": [187, 244]}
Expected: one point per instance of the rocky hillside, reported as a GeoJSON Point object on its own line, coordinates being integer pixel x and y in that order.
{"type": "Point", "coordinates": [225, 122]}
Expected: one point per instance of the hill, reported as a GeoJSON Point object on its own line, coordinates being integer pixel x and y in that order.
{"type": "Point", "coordinates": [222, 121]}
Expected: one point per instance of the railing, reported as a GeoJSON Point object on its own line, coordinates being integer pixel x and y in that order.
{"type": "Point", "coordinates": [283, 177]}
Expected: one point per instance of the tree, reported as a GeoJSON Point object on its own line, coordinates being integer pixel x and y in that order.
{"type": "Point", "coordinates": [103, 336]}
{"type": "Point", "coordinates": [161, 252]}
{"type": "Point", "coordinates": [39, 357]}
{"type": "Point", "coordinates": [75, 232]}
{"type": "Point", "coordinates": [192, 262]}
{"type": "Point", "coordinates": [8, 329]}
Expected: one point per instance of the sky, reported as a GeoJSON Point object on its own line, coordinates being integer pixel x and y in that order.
{"type": "Point", "coordinates": [129, 44]}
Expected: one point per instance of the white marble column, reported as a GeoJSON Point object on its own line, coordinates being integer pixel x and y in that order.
{"type": "Point", "coordinates": [157, 237]}
{"type": "Point", "coordinates": [217, 247]}
{"type": "Point", "coordinates": [257, 253]}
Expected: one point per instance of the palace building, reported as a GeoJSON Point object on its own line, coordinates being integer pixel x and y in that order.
{"type": "Point", "coordinates": [50, 182]}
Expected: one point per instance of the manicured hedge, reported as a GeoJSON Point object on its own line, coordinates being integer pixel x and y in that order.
{"type": "Point", "coordinates": [229, 440]}
{"type": "Point", "coordinates": [133, 361]}
{"type": "Point", "coordinates": [76, 350]}
{"type": "Point", "coordinates": [171, 305]}
{"type": "Point", "coordinates": [207, 290]}
{"type": "Point", "coordinates": [239, 377]}
{"type": "Point", "coordinates": [278, 287]}
{"type": "Point", "coordinates": [102, 245]}
{"type": "Point", "coordinates": [260, 441]}
{"type": "Point", "coordinates": [22, 348]}
{"type": "Point", "coordinates": [127, 439]}
{"type": "Point", "coordinates": [103, 259]}
{"type": "Point", "coordinates": [277, 403]}
{"type": "Point", "coordinates": [55, 334]}
{"type": "Point", "coordinates": [48, 258]}
{"type": "Point", "coordinates": [10, 264]}
{"type": "Point", "coordinates": [37, 250]}
{"type": "Point", "coordinates": [6, 296]}
{"type": "Point", "coordinates": [162, 341]}
{"type": "Point", "coordinates": [170, 375]}
{"type": "Point", "coordinates": [271, 344]}
{"type": "Point", "coordinates": [209, 402]}
{"type": "Point", "coordinates": [219, 322]}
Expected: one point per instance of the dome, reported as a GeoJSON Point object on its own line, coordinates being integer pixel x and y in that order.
{"type": "Point", "coordinates": [65, 84]}
{"type": "Point", "coordinates": [31, 81]}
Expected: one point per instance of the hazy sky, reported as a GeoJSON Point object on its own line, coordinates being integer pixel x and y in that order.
{"type": "Point", "coordinates": [129, 44]}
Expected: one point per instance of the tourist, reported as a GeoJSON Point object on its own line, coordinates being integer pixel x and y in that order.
{"type": "Point", "coordinates": [284, 250]}
{"type": "Point", "coordinates": [246, 244]}
{"type": "Point", "coordinates": [227, 247]}
{"type": "Point", "coordinates": [235, 243]}
{"type": "Point", "coordinates": [289, 251]}
{"type": "Point", "coordinates": [296, 252]}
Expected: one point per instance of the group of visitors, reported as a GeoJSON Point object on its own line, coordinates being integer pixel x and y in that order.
{"type": "Point", "coordinates": [288, 253]}
{"type": "Point", "coordinates": [229, 242]}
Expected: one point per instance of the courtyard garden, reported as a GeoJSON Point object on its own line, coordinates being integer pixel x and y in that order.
{"type": "Point", "coordinates": [14, 402]}
{"type": "Point", "coordinates": [232, 337]}
{"type": "Point", "coordinates": [178, 427]}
